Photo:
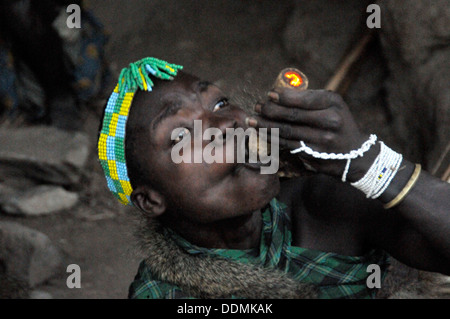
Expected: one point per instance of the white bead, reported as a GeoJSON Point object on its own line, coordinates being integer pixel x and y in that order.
{"type": "Point", "coordinates": [352, 155]}
{"type": "Point", "coordinates": [371, 184]}
{"type": "Point", "coordinates": [349, 156]}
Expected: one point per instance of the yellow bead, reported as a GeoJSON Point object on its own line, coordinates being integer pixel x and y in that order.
{"type": "Point", "coordinates": [113, 170]}
{"type": "Point", "coordinates": [102, 146]}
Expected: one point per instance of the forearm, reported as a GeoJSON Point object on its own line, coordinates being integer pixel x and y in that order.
{"type": "Point", "coordinates": [426, 206]}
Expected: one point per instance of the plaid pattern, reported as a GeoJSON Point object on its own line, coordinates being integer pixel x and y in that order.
{"type": "Point", "coordinates": [111, 143]}
{"type": "Point", "coordinates": [337, 276]}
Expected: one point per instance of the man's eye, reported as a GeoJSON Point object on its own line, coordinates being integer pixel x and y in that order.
{"type": "Point", "coordinates": [222, 103]}
{"type": "Point", "coordinates": [179, 135]}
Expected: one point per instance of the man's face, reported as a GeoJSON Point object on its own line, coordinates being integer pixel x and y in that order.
{"type": "Point", "coordinates": [201, 192]}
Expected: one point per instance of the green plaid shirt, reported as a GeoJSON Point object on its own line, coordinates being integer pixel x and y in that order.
{"type": "Point", "coordinates": [337, 276]}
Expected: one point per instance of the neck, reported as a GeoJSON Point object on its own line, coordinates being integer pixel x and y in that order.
{"type": "Point", "coordinates": [242, 232]}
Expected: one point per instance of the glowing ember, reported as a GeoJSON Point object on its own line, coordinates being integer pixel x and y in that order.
{"type": "Point", "coordinates": [295, 78]}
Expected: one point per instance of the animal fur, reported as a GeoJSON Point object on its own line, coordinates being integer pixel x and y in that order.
{"type": "Point", "coordinates": [13, 288]}
{"type": "Point", "coordinates": [213, 277]}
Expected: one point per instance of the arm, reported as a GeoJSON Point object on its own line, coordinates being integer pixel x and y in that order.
{"type": "Point", "coordinates": [418, 229]}
{"type": "Point", "coordinates": [418, 232]}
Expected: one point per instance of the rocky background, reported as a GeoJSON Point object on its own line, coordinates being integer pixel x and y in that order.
{"type": "Point", "coordinates": [55, 209]}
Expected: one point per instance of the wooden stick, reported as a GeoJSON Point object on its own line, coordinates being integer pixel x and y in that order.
{"type": "Point", "coordinates": [446, 175]}
{"type": "Point", "coordinates": [350, 59]}
{"type": "Point", "coordinates": [441, 159]}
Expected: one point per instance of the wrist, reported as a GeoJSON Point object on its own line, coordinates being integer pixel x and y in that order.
{"type": "Point", "coordinates": [380, 174]}
{"type": "Point", "coordinates": [359, 166]}
{"type": "Point", "coordinates": [399, 182]}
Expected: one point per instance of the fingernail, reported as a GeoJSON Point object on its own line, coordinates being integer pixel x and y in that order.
{"type": "Point", "coordinates": [250, 121]}
{"type": "Point", "coordinates": [273, 96]}
{"type": "Point", "coordinates": [257, 108]}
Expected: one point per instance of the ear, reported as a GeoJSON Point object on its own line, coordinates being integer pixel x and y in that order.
{"type": "Point", "coordinates": [149, 201]}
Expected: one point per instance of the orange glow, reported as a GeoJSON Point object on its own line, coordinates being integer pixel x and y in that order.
{"type": "Point", "coordinates": [295, 78]}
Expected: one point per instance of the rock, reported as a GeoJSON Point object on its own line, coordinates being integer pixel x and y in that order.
{"type": "Point", "coordinates": [43, 153]}
{"type": "Point", "coordinates": [40, 200]}
{"type": "Point", "coordinates": [318, 34]}
{"type": "Point", "coordinates": [28, 255]}
{"type": "Point", "coordinates": [365, 95]}
{"type": "Point", "coordinates": [416, 44]}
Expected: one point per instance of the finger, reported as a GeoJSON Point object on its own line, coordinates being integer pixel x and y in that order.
{"type": "Point", "coordinates": [286, 131]}
{"type": "Point", "coordinates": [307, 160]}
{"type": "Point", "coordinates": [308, 99]}
{"type": "Point", "coordinates": [287, 144]}
{"type": "Point", "coordinates": [326, 119]}
{"type": "Point", "coordinates": [310, 162]}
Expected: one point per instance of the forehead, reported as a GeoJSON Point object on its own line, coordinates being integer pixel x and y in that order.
{"type": "Point", "coordinates": [167, 92]}
{"type": "Point", "coordinates": [151, 108]}
{"type": "Point", "coordinates": [147, 104]}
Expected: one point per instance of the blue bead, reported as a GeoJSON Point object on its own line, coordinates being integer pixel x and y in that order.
{"type": "Point", "coordinates": [150, 69]}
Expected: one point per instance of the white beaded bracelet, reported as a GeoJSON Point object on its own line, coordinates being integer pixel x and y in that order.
{"type": "Point", "coordinates": [380, 174]}
{"type": "Point", "coordinates": [349, 156]}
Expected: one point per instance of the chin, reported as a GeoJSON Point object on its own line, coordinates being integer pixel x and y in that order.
{"type": "Point", "coordinates": [273, 187]}
{"type": "Point", "coordinates": [264, 191]}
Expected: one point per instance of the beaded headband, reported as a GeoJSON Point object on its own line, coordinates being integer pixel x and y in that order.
{"type": "Point", "coordinates": [111, 143]}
